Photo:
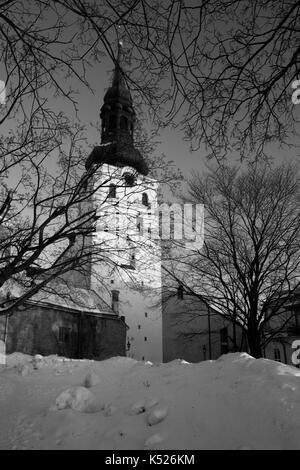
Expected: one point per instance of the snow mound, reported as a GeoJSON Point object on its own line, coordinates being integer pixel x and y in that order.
{"type": "Point", "coordinates": [143, 405]}
{"type": "Point", "coordinates": [153, 441]}
{"type": "Point", "coordinates": [17, 359]}
{"type": "Point", "coordinates": [138, 407]}
{"type": "Point", "coordinates": [156, 415]}
{"type": "Point", "coordinates": [76, 398]}
{"type": "Point", "coordinates": [235, 402]}
{"type": "Point", "coordinates": [91, 380]}
{"type": "Point", "coordinates": [25, 369]}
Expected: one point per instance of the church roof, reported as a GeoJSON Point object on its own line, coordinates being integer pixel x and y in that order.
{"type": "Point", "coordinates": [62, 296]}
{"type": "Point", "coordinates": [117, 136]}
{"type": "Point", "coordinates": [118, 153]}
{"type": "Point", "coordinates": [75, 298]}
{"type": "Point", "coordinates": [118, 90]}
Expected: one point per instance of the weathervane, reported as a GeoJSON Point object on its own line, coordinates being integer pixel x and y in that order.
{"type": "Point", "coordinates": [120, 42]}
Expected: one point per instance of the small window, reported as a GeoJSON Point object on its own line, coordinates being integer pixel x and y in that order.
{"type": "Point", "coordinates": [132, 261]}
{"type": "Point", "coordinates": [143, 358]}
{"type": "Point", "coordinates": [180, 292]}
{"type": "Point", "coordinates": [139, 327]}
{"type": "Point", "coordinates": [129, 179]}
{"type": "Point", "coordinates": [113, 122]}
{"type": "Point", "coordinates": [64, 334]}
{"type": "Point", "coordinates": [115, 300]}
{"type": "Point", "coordinates": [146, 338]}
{"type": "Point", "coordinates": [145, 200]}
{"type": "Point", "coordinates": [277, 356]}
{"type": "Point", "coordinates": [146, 314]}
{"type": "Point", "coordinates": [112, 192]}
{"type": "Point", "coordinates": [224, 340]}
{"type": "Point", "coordinates": [123, 123]}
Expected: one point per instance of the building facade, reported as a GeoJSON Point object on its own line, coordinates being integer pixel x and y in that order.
{"type": "Point", "coordinates": [194, 331]}
{"type": "Point", "coordinates": [71, 322]}
{"type": "Point", "coordinates": [282, 346]}
{"type": "Point", "coordinates": [129, 279]}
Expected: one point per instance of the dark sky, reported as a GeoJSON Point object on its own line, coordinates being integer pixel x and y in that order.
{"type": "Point", "coordinates": [173, 144]}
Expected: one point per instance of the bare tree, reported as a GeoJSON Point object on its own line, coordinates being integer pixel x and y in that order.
{"type": "Point", "coordinates": [249, 263]}
{"type": "Point", "coordinates": [46, 216]}
{"type": "Point", "coordinates": [223, 70]}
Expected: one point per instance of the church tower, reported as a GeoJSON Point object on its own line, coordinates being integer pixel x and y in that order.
{"type": "Point", "coordinates": [126, 266]}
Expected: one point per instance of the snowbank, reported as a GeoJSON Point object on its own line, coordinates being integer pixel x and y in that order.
{"type": "Point", "coordinates": [236, 402]}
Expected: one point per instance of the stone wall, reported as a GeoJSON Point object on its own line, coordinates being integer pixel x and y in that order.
{"type": "Point", "coordinates": [47, 330]}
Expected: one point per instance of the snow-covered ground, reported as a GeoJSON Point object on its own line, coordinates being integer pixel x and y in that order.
{"type": "Point", "coordinates": [236, 402]}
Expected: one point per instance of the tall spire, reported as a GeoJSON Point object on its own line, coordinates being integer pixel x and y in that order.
{"type": "Point", "coordinates": [118, 119]}
{"type": "Point", "coordinates": [117, 113]}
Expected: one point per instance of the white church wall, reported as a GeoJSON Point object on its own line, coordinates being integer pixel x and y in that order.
{"type": "Point", "coordinates": [138, 279]}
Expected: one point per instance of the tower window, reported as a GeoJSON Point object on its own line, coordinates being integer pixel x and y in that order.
{"type": "Point", "coordinates": [146, 314]}
{"type": "Point", "coordinates": [224, 340]}
{"type": "Point", "coordinates": [64, 334]}
{"type": "Point", "coordinates": [113, 122]}
{"type": "Point", "coordinates": [132, 261]}
{"type": "Point", "coordinates": [112, 192]}
{"type": "Point", "coordinates": [180, 292]}
{"type": "Point", "coordinates": [129, 179]}
{"type": "Point", "coordinates": [123, 123]}
{"type": "Point", "coordinates": [146, 338]}
{"type": "Point", "coordinates": [277, 356]}
{"type": "Point", "coordinates": [139, 327]}
{"type": "Point", "coordinates": [145, 200]}
{"type": "Point", "coordinates": [115, 301]}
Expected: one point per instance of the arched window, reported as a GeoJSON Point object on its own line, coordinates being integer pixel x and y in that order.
{"type": "Point", "coordinates": [180, 292]}
{"type": "Point", "coordinates": [113, 122]}
{"type": "Point", "coordinates": [129, 179]}
{"type": "Point", "coordinates": [277, 356]}
{"type": "Point", "coordinates": [115, 300]}
{"type": "Point", "coordinates": [145, 200]}
{"type": "Point", "coordinates": [112, 192]}
{"type": "Point", "coordinates": [132, 261]}
{"type": "Point", "coordinates": [123, 123]}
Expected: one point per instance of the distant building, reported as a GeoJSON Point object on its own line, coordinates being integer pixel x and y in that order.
{"type": "Point", "coordinates": [70, 322]}
{"type": "Point", "coordinates": [194, 331]}
{"type": "Point", "coordinates": [283, 328]}
{"type": "Point", "coordinates": [117, 304]}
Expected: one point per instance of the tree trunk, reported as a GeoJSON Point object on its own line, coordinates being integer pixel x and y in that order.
{"type": "Point", "coordinates": [254, 341]}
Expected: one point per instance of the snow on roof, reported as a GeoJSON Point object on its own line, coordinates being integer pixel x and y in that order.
{"type": "Point", "coordinates": [75, 298]}
{"type": "Point", "coordinates": [61, 295]}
